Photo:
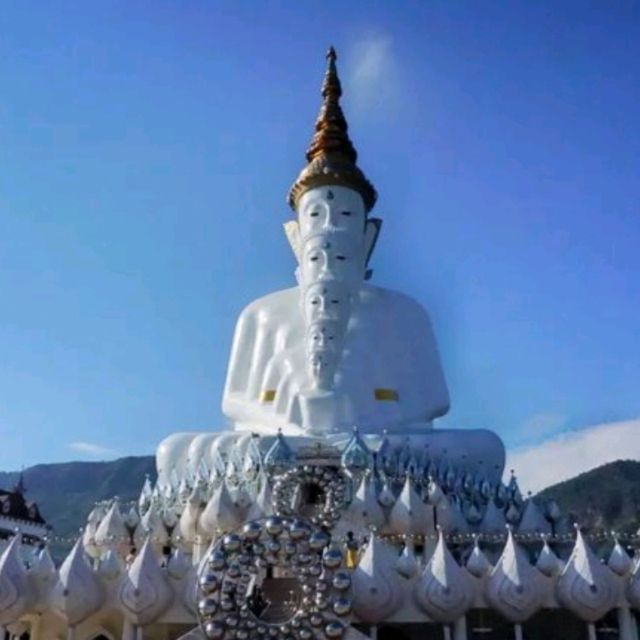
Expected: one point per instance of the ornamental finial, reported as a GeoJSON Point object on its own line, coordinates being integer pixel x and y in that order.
{"type": "Point", "coordinates": [331, 154]}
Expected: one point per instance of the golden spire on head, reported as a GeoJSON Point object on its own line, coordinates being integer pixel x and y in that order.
{"type": "Point", "coordinates": [331, 155]}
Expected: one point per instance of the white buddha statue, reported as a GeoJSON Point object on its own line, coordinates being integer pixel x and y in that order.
{"type": "Point", "coordinates": [334, 351]}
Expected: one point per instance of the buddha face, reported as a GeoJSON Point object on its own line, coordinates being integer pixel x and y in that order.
{"type": "Point", "coordinates": [323, 367]}
{"type": "Point", "coordinates": [326, 302]}
{"type": "Point", "coordinates": [324, 346]}
{"type": "Point", "coordinates": [331, 208]}
{"type": "Point", "coordinates": [324, 336]}
{"type": "Point", "coordinates": [332, 256]}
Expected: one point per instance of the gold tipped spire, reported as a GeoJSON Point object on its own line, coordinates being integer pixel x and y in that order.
{"type": "Point", "coordinates": [331, 155]}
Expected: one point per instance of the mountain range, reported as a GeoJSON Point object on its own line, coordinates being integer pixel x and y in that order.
{"type": "Point", "coordinates": [66, 492]}
{"type": "Point", "coordinates": [606, 497]}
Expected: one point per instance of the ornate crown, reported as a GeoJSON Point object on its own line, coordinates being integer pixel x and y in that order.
{"type": "Point", "coordinates": [331, 155]}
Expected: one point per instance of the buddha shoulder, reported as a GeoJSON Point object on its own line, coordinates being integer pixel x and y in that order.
{"type": "Point", "coordinates": [391, 302]}
{"type": "Point", "coordinates": [274, 305]}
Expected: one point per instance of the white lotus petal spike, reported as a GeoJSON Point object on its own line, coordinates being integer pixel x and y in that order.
{"type": "Point", "coordinates": [477, 564]}
{"type": "Point", "coordinates": [111, 565]}
{"type": "Point", "coordinates": [443, 591]}
{"type": "Point", "coordinates": [77, 593]}
{"type": "Point", "coordinates": [221, 512]}
{"type": "Point", "coordinates": [386, 498]}
{"type": "Point", "coordinates": [15, 591]}
{"type": "Point", "coordinates": [179, 564]}
{"type": "Point", "coordinates": [514, 587]}
{"type": "Point", "coordinates": [494, 520]}
{"type": "Point", "coordinates": [633, 586]}
{"type": "Point", "coordinates": [585, 586]}
{"type": "Point", "coordinates": [153, 525]}
{"type": "Point", "coordinates": [377, 592]}
{"type": "Point", "coordinates": [533, 520]}
{"type": "Point", "coordinates": [451, 518]}
{"type": "Point", "coordinates": [548, 562]}
{"type": "Point", "coordinates": [407, 564]}
{"type": "Point", "coordinates": [364, 512]}
{"type": "Point", "coordinates": [188, 523]}
{"type": "Point", "coordinates": [111, 531]}
{"type": "Point", "coordinates": [144, 593]}
{"type": "Point", "coordinates": [410, 514]}
{"type": "Point", "coordinates": [619, 561]}
{"type": "Point", "coordinates": [44, 569]}
{"type": "Point", "coordinates": [263, 504]}
{"type": "Point", "coordinates": [132, 519]}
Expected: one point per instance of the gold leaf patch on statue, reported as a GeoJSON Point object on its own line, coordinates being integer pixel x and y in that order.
{"type": "Point", "coordinates": [390, 395]}
{"type": "Point", "coordinates": [268, 395]}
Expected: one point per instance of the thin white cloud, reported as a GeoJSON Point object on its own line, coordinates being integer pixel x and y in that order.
{"type": "Point", "coordinates": [542, 424]}
{"type": "Point", "coordinates": [92, 449]}
{"type": "Point", "coordinates": [566, 455]}
{"type": "Point", "coordinates": [373, 77]}
{"type": "Point", "coordinates": [538, 427]}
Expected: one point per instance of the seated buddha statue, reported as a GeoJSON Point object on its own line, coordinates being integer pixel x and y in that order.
{"type": "Point", "coordinates": [334, 351]}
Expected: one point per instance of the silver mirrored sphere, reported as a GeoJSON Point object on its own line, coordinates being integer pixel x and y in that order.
{"type": "Point", "coordinates": [234, 570]}
{"type": "Point", "coordinates": [218, 560]}
{"type": "Point", "coordinates": [318, 540]}
{"type": "Point", "coordinates": [315, 619]}
{"type": "Point", "coordinates": [341, 580]}
{"type": "Point", "coordinates": [207, 607]}
{"type": "Point", "coordinates": [334, 629]}
{"type": "Point", "coordinates": [209, 582]}
{"type": "Point", "coordinates": [332, 558]}
{"type": "Point", "coordinates": [299, 530]}
{"type": "Point", "coordinates": [251, 531]}
{"type": "Point", "coordinates": [232, 542]}
{"type": "Point", "coordinates": [227, 604]}
{"type": "Point", "coordinates": [342, 607]}
{"type": "Point", "coordinates": [274, 525]}
{"type": "Point", "coordinates": [232, 620]}
{"type": "Point", "coordinates": [214, 630]}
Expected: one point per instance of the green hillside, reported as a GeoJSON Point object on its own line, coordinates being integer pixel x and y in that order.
{"type": "Point", "coordinates": [66, 492]}
{"type": "Point", "coordinates": [607, 497]}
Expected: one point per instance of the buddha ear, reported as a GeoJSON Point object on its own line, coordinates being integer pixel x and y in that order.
{"type": "Point", "coordinates": [292, 231]}
{"type": "Point", "coordinates": [371, 231]}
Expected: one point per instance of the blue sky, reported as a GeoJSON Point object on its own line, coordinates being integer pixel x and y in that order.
{"type": "Point", "coordinates": [147, 148]}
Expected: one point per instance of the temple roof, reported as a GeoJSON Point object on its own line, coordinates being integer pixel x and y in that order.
{"type": "Point", "coordinates": [14, 505]}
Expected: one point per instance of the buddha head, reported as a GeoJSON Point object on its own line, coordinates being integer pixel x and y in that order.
{"type": "Point", "coordinates": [331, 208]}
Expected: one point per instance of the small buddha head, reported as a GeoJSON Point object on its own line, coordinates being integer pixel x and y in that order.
{"type": "Point", "coordinates": [332, 255]}
{"type": "Point", "coordinates": [325, 336]}
{"type": "Point", "coordinates": [326, 302]}
{"type": "Point", "coordinates": [323, 366]}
